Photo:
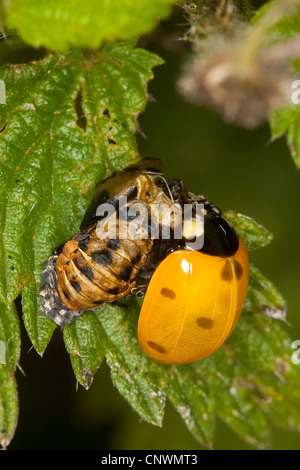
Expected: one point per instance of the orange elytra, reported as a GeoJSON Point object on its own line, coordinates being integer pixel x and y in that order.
{"type": "Point", "coordinates": [192, 305]}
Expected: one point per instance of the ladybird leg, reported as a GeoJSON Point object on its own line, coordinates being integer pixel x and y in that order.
{"type": "Point", "coordinates": [178, 190]}
{"type": "Point", "coordinates": [139, 291]}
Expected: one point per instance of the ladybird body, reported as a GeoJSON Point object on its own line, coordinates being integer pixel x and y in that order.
{"type": "Point", "coordinates": [192, 304]}
{"type": "Point", "coordinates": [194, 296]}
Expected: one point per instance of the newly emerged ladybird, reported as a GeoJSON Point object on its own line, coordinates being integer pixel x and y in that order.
{"type": "Point", "coordinates": [192, 304]}
{"type": "Point", "coordinates": [194, 295]}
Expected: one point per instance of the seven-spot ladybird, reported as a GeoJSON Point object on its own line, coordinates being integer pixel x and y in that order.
{"type": "Point", "coordinates": [194, 297]}
{"type": "Point", "coordinates": [192, 304]}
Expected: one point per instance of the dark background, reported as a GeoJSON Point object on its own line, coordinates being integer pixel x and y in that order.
{"type": "Point", "coordinates": [236, 169]}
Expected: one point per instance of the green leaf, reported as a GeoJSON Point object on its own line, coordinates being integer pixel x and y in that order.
{"type": "Point", "coordinates": [44, 140]}
{"type": "Point", "coordinates": [272, 376]}
{"type": "Point", "coordinates": [280, 22]}
{"type": "Point", "coordinates": [263, 297]}
{"type": "Point", "coordinates": [286, 120]}
{"type": "Point", "coordinates": [253, 234]}
{"type": "Point", "coordinates": [84, 340]}
{"type": "Point", "coordinates": [235, 405]}
{"type": "Point", "coordinates": [192, 399]}
{"type": "Point", "coordinates": [111, 332]}
{"type": "Point", "coordinates": [267, 344]}
{"type": "Point", "coordinates": [1, 15]}
{"type": "Point", "coordinates": [8, 407]}
{"type": "Point", "coordinates": [9, 356]}
{"type": "Point", "coordinates": [283, 20]}
{"type": "Point", "coordinates": [80, 23]}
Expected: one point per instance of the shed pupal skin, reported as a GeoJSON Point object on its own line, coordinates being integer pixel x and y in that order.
{"type": "Point", "coordinates": [88, 271]}
{"type": "Point", "coordinates": [51, 304]}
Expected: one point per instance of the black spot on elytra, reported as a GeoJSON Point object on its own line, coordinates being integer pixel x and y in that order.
{"type": "Point", "coordinates": [168, 293]}
{"type": "Point", "coordinates": [76, 286]}
{"type": "Point", "coordinates": [113, 244]}
{"type": "Point", "coordinates": [125, 273]}
{"type": "Point", "coordinates": [157, 347]}
{"type": "Point", "coordinates": [113, 291]}
{"type": "Point", "coordinates": [226, 273]}
{"type": "Point", "coordinates": [12, 268]}
{"type": "Point", "coordinates": [88, 272]}
{"type": "Point", "coordinates": [103, 257]}
{"type": "Point", "coordinates": [111, 141]}
{"type": "Point", "coordinates": [238, 269]}
{"type": "Point", "coordinates": [204, 322]}
{"type": "Point", "coordinates": [68, 262]}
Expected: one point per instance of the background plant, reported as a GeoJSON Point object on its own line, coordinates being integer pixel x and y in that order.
{"type": "Point", "coordinates": [71, 117]}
